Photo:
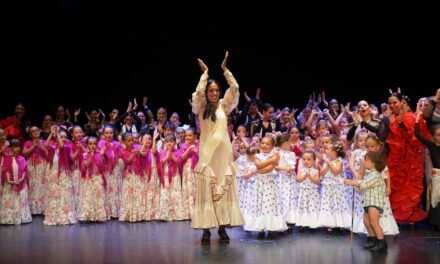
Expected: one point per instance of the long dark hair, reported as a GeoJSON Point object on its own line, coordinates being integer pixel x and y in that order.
{"type": "Point", "coordinates": [210, 109]}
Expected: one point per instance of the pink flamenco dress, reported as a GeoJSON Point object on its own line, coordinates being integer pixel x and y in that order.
{"type": "Point", "coordinates": [76, 171]}
{"type": "Point", "coordinates": [152, 183]}
{"type": "Point", "coordinates": [189, 180]}
{"type": "Point", "coordinates": [37, 167]}
{"type": "Point", "coordinates": [134, 191]}
{"type": "Point", "coordinates": [92, 199]}
{"type": "Point", "coordinates": [59, 202]}
{"type": "Point", "coordinates": [171, 208]}
{"type": "Point", "coordinates": [113, 173]}
{"type": "Point", "coordinates": [14, 202]}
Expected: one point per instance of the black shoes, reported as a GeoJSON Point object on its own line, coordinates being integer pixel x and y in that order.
{"type": "Point", "coordinates": [224, 238]}
{"type": "Point", "coordinates": [371, 242]}
{"type": "Point", "coordinates": [271, 235]}
{"type": "Point", "coordinates": [206, 238]}
{"type": "Point", "coordinates": [380, 245]}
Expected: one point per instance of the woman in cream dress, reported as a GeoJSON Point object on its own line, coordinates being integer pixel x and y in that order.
{"type": "Point", "coordinates": [216, 201]}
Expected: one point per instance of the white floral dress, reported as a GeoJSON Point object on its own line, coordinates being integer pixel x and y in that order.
{"type": "Point", "coordinates": [241, 182]}
{"type": "Point", "coordinates": [386, 220]}
{"type": "Point", "coordinates": [267, 216]}
{"type": "Point", "coordinates": [286, 187]}
{"type": "Point", "coordinates": [309, 200]}
{"type": "Point", "coordinates": [249, 202]}
{"type": "Point", "coordinates": [334, 210]}
{"type": "Point", "coordinates": [358, 220]}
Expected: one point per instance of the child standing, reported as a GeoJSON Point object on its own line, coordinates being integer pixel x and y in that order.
{"type": "Point", "coordinates": [356, 167]}
{"type": "Point", "coordinates": [307, 209]}
{"type": "Point", "coordinates": [240, 162]}
{"type": "Point", "coordinates": [152, 182]}
{"type": "Point", "coordinates": [180, 135]}
{"type": "Point", "coordinates": [77, 149]}
{"type": "Point", "coordinates": [35, 153]}
{"type": "Point", "coordinates": [247, 195]}
{"type": "Point", "coordinates": [14, 202]}
{"type": "Point", "coordinates": [267, 216]}
{"type": "Point", "coordinates": [113, 170]}
{"type": "Point", "coordinates": [190, 157]}
{"type": "Point", "coordinates": [286, 187]}
{"type": "Point", "coordinates": [170, 163]}
{"type": "Point", "coordinates": [373, 199]}
{"type": "Point", "coordinates": [92, 202]}
{"type": "Point", "coordinates": [386, 221]}
{"type": "Point", "coordinates": [168, 129]}
{"type": "Point", "coordinates": [133, 200]}
{"type": "Point", "coordinates": [334, 211]}
{"type": "Point", "coordinates": [59, 205]}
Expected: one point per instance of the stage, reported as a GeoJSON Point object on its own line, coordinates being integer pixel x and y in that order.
{"type": "Point", "coordinates": [175, 242]}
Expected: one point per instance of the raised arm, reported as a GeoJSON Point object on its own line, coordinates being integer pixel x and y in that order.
{"type": "Point", "coordinates": [429, 108]}
{"type": "Point", "coordinates": [335, 127]}
{"type": "Point", "coordinates": [232, 95]}
{"type": "Point", "coordinates": [384, 129]}
{"type": "Point", "coordinates": [198, 97]}
{"type": "Point", "coordinates": [417, 132]}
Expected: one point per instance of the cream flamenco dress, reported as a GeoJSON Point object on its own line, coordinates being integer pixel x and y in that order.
{"type": "Point", "coordinates": [216, 200]}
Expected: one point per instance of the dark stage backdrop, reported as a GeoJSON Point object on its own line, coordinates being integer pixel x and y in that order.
{"type": "Point", "coordinates": [78, 56]}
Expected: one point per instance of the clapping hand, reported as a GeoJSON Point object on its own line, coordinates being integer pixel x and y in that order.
{"type": "Point", "coordinates": [225, 60]}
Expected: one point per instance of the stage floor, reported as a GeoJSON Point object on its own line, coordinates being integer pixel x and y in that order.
{"type": "Point", "coordinates": [175, 242]}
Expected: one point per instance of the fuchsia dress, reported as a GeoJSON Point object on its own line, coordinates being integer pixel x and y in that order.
{"type": "Point", "coordinates": [152, 184]}
{"type": "Point", "coordinates": [188, 180]}
{"type": "Point", "coordinates": [134, 189]}
{"type": "Point", "coordinates": [59, 202]}
{"type": "Point", "coordinates": [37, 167]}
{"type": "Point", "coordinates": [171, 187]}
{"type": "Point", "coordinates": [113, 173]}
{"type": "Point", "coordinates": [76, 170]}
{"type": "Point", "coordinates": [14, 202]}
{"type": "Point", "coordinates": [92, 200]}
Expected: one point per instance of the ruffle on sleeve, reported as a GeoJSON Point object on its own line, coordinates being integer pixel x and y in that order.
{"type": "Point", "coordinates": [198, 97]}
{"type": "Point", "coordinates": [232, 95]}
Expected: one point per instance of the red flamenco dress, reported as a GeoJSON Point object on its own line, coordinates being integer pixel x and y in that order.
{"type": "Point", "coordinates": [11, 125]}
{"type": "Point", "coordinates": [405, 165]}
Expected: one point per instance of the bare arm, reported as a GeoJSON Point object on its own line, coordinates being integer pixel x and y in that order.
{"type": "Point", "coordinates": [315, 179]}
{"type": "Point", "coordinates": [300, 177]}
{"type": "Point", "coordinates": [28, 151]}
{"type": "Point", "coordinates": [271, 161]}
{"type": "Point", "coordinates": [335, 169]}
{"type": "Point", "coordinates": [75, 155]}
{"type": "Point", "coordinates": [89, 161]}
{"type": "Point", "coordinates": [335, 127]}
